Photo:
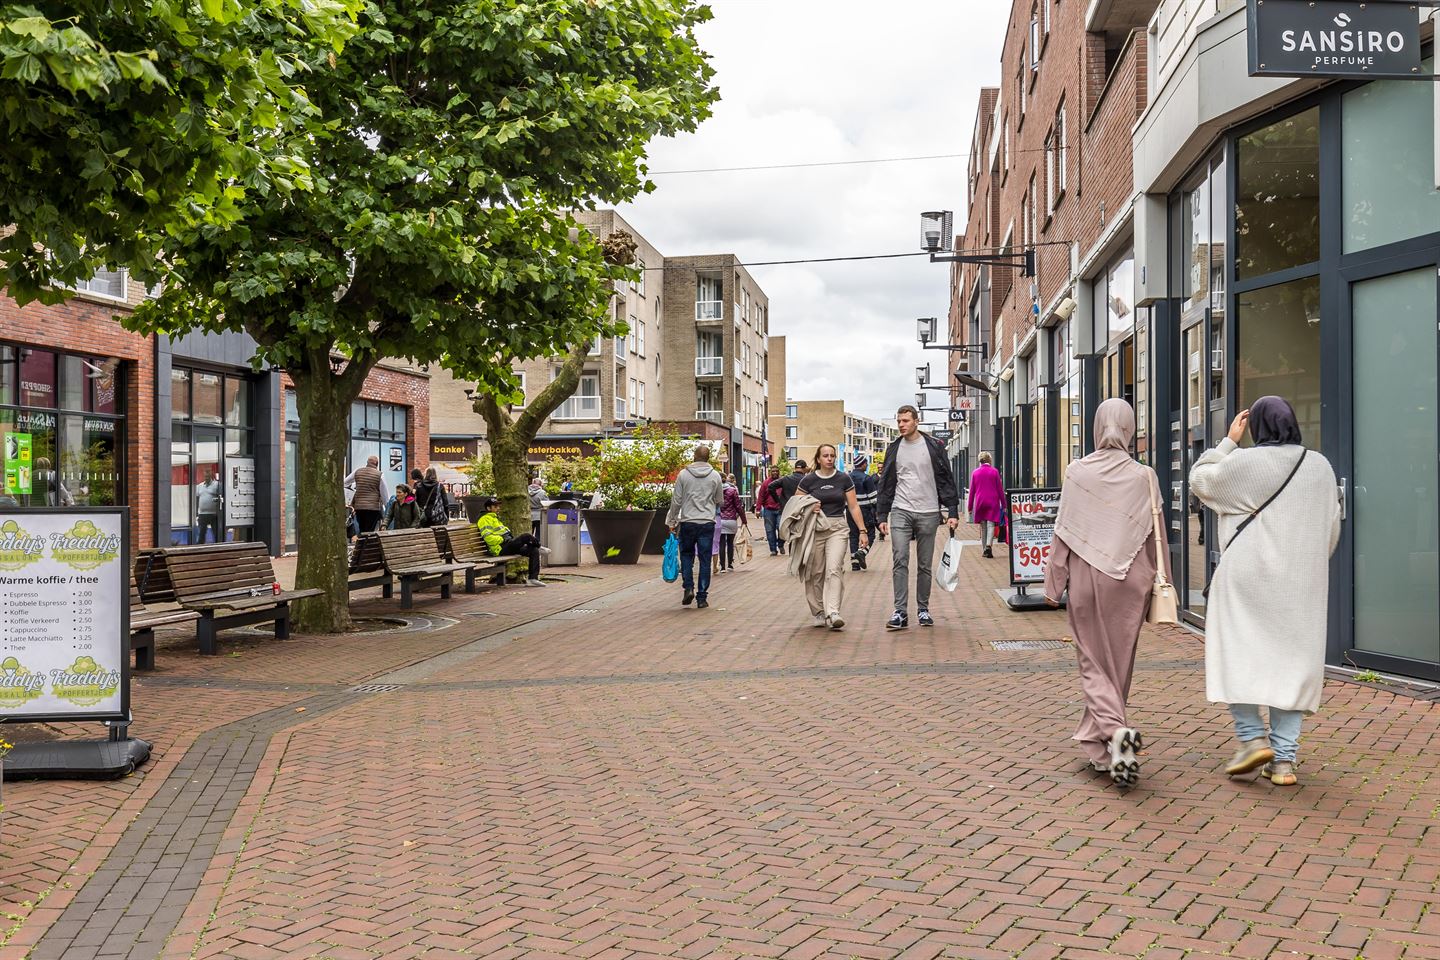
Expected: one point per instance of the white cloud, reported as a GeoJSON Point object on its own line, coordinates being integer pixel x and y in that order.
{"type": "Point", "coordinates": [820, 80]}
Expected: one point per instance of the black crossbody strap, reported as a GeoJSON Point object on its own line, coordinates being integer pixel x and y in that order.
{"type": "Point", "coordinates": [1251, 519]}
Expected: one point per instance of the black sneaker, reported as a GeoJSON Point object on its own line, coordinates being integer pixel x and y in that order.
{"type": "Point", "coordinates": [897, 621]}
{"type": "Point", "coordinates": [854, 564]}
{"type": "Point", "coordinates": [702, 603]}
{"type": "Point", "coordinates": [924, 619]}
{"type": "Point", "coordinates": [685, 600]}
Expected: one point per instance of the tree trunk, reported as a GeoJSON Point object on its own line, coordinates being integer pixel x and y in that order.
{"type": "Point", "coordinates": [512, 476]}
{"type": "Point", "coordinates": [324, 404]}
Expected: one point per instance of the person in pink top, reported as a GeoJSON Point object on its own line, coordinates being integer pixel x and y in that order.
{"type": "Point", "coordinates": [986, 501]}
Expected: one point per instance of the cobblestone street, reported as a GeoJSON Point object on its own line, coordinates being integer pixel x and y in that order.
{"type": "Point", "coordinates": [592, 770]}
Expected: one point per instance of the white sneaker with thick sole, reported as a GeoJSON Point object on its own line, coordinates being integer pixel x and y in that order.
{"type": "Point", "coordinates": [837, 622]}
{"type": "Point", "coordinates": [544, 551]}
{"type": "Point", "coordinates": [536, 583]}
{"type": "Point", "coordinates": [819, 621]}
{"type": "Point", "coordinates": [1124, 765]}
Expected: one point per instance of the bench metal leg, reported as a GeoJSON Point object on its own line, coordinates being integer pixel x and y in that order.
{"type": "Point", "coordinates": [282, 622]}
{"type": "Point", "coordinates": [469, 579]}
{"type": "Point", "coordinates": [445, 586]}
{"type": "Point", "coordinates": [387, 588]}
{"type": "Point", "coordinates": [143, 643]}
{"type": "Point", "coordinates": [205, 629]}
{"type": "Point", "coordinates": [406, 599]}
{"type": "Point", "coordinates": [504, 574]}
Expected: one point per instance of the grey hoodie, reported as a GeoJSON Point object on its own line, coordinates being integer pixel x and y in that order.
{"type": "Point", "coordinates": [697, 495]}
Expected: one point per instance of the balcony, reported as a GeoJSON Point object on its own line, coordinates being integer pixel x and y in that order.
{"type": "Point", "coordinates": [709, 366]}
{"type": "Point", "coordinates": [578, 408]}
{"type": "Point", "coordinates": [709, 311]}
{"type": "Point", "coordinates": [715, 416]}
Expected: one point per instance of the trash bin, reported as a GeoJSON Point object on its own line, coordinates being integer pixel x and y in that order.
{"type": "Point", "coordinates": [561, 533]}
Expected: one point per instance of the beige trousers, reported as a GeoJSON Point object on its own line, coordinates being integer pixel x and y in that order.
{"type": "Point", "coordinates": [825, 584]}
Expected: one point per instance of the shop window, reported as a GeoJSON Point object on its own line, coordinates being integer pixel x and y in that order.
{"type": "Point", "coordinates": [9, 375]}
{"type": "Point", "coordinates": [180, 394]}
{"type": "Point", "coordinates": [1120, 296]}
{"type": "Point", "coordinates": [1279, 331]}
{"type": "Point", "coordinates": [237, 402]}
{"type": "Point", "coordinates": [90, 461]}
{"type": "Point", "coordinates": [1277, 204]}
{"type": "Point", "coordinates": [1388, 177]}
{"type": "Point", "coordinates": [37, 378]}
{"type": "Point", "coordinates": [207, 397]}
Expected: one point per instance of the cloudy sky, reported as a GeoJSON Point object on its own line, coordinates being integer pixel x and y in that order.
{"type": "Point", "coordinates": [823, 80]}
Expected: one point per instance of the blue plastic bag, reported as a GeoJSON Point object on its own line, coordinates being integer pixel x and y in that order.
{"type": "Point", "coordinates": [670, 569]}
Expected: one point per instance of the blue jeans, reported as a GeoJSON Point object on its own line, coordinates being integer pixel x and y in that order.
{"type": "Point", "coordinates": [772, 528]}
{"type": "Point", "coordinates": [1284, 728]}
{"type": "Point", "coordinates": [696, 537]}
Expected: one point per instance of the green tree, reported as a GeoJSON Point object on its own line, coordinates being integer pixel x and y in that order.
{"type": "Point", "coordinates": [572, 329]}
{"type": "Point", "coordinates": [121, 118]}
{"type": "Point", "coordinates": [447, 136]}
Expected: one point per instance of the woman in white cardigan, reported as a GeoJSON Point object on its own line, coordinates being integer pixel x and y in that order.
{"type": "Point", "coordinates": [1279, 521]}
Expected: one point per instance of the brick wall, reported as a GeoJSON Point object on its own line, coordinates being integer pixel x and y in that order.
{"type": "Point", "coordinates": [87, 325]}
{"type": "Point", "coordinates": [1100, 108]}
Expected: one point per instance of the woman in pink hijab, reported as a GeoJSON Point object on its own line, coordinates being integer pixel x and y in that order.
{"type": "Point", "coordinates": [1104, 553]}
{"type": "Point", "coordinates": [986, 501]}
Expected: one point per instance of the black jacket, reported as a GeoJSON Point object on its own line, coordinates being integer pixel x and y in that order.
{"type": "Point", "coordinates": [944, 479]}
{"type": "Point", "coordinates": [785, 487]}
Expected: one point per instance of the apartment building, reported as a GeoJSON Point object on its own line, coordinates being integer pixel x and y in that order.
{"type": "Point", "coordinates": [1204, 237]}
{"type": "Point", "coordinates": [716, 341]}
{"type": "Point", "coordinates": [809, 423]}
{"type": "Point", "coordinates": [696, 357]}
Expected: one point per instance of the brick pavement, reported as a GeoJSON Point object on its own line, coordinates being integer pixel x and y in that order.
{"type": "Point", "coordinates": [650, 781]}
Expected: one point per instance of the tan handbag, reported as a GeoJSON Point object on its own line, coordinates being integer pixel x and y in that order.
{"type": "Point", "coordinates": [1164, 605]}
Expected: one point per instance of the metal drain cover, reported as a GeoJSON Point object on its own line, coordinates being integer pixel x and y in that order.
{"type": "Point", "coordinates": [1029, 644]}
{"type": "Point", "coordinates": [376, 688]}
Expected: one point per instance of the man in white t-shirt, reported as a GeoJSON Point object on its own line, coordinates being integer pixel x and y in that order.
{"type": "Point", "coordinates": [916, 485]}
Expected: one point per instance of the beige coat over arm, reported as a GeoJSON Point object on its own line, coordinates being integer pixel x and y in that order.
{"type": "Point", "coordinates": [1266, 620]}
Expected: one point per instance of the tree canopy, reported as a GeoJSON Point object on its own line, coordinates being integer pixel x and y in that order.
{"type": "Point", "coordinates": [122, 118]}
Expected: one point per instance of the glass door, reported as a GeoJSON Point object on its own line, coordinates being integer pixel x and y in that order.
{"type": "Point", "coordinates": [209, 493]}
{"type": "Point", "coordinates": [1395, 491]}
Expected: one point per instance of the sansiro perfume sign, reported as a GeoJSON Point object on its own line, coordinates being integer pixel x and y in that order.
{"type": "Point", "coordinates": [1334, 38]}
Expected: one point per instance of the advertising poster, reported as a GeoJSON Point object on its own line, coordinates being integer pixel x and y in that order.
{"type": "Point", "coordinates": [17, 464]}
{"type": "Point", "coordinates": [1032, 527]}
{"type": "Point", "coordinates": [64, 610]}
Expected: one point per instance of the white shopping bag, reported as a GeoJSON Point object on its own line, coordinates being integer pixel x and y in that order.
{"type": "Point", "coordinates": [947, 572]}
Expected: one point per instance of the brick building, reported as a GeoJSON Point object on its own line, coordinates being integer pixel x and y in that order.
{"type": "Point", "coordinates": [1049, 169]}
{"type": "Point", "coordinates": [115, 418]}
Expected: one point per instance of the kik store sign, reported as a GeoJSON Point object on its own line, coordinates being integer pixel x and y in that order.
{"type": "Point", "coordinates": [1334, 38]}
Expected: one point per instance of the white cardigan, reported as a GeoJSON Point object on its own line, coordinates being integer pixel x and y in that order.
{"type": "Point", "coordinates": [1266, 620]}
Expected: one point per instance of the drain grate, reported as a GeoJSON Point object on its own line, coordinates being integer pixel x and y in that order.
{"type": "Point", "coordinates": [376, 688]}
{"type": "Point", "coordinates": [582, 610]}
{"type": "Point", "coordinates": [1029, 644]}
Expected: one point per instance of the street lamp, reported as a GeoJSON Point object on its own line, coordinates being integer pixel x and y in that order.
{"type": "Point", "coordinates": [937, 231]}
{"type": "Point", "coordinates": [922, 375]}
{"type": "Point", "coordinates": [920, 401]}
{"type": "Point", "coordinates": [926, 329]}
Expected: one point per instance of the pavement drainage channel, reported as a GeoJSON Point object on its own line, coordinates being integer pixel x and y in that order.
{"type": "Point", "coordinates": [373, 626]}
{"type": "Point", "coordinates": [1029, 644]}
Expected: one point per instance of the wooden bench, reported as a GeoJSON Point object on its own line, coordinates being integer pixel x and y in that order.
{"type": "Point", "coordinates": [226, 584]}
{"type": "Point", "coordinates": [414, 558]}
{"type": "Point", "coordinates": [367, 565]}
{"type": "Point", "coordinates": [144, 620]}
{"type": "Point", "coordinates": [462, 543]}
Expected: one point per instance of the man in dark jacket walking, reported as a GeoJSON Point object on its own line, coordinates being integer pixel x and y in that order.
{"type": "Point", "coordinates": [916, 485]}
{"type": "Point", "coordinates": [788, 485]}
{"type": "Point", "coordinates": [866, 492]}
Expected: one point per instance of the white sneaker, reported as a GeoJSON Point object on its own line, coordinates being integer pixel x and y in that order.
{"type": "Point", "coordinates": [837, 622]}
{"type": "Point", "coordinates": [544, 551]}
{"type": "Point", "coordinates": [819, 621]}
{"type": "Point", "coordinates": [536, 583]}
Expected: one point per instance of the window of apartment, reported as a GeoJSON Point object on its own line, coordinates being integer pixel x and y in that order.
{"type": "Point", "coordinates": [745, 358]}
{"type": "Point", "coordinates": [640, 405]}
{"type": "Point", "coordinates": [634, 334]}
{"type": "Point", "coordinates": [634, 395]}
{"type": "Point", "coordinates": [524, 396]}
{"type": "Point", "coordinates": [792, 453]}
{"type": "Point", "coordinates": [105, 283]}
{"type": "Point", "coordinates": [584, 403]}
{"type": "Point", "coordinates": [1050, 171]}
{"type": "Point", "coordinates": [1060, 152]}
{"type": "Point", "coordinates": [595, 346]}
{"type": "Point", "coordinates": [792, 433]}
{"type": "Point", "coordinates": [1020, 92]}
{"type": "Point", "coordinates": [639, 285]}
{"type": "Point", "coordinates": [640, 337]}
{"type": "Point", "coordinates": [1045, 15]}
{"type": "Point", "coordinates": [1035, 38]}
{"type": "Point", "coordinates": [791, 411]}
{"type": "Point", "coordinates": [745, 299]}
{"type": "Point", "coordinates": [1030, 210]}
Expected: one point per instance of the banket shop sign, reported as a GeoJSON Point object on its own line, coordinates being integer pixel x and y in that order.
{"type": "Point", "coordinates": [1334, 38]}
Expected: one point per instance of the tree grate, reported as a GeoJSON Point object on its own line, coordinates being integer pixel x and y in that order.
{"type": "Point", "coordinates": [1029, 644]}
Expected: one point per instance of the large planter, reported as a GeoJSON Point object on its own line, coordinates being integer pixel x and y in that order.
{"type": "Point", "coordinates": [617, 536]}
{"type": "Point", "coordinates": [655, 539]}
{"type": "Point", "coordinates": [472, 506]}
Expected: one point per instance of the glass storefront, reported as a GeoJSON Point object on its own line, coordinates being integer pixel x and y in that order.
{"type": "Point", "coordinates": [62, 428]}
{"type": "Point", "coordinates": [378, 430]}
{"type": "Point", "coordinates": [212, 457]}
{"type": "Point", "coordinates": [1304, 262]}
